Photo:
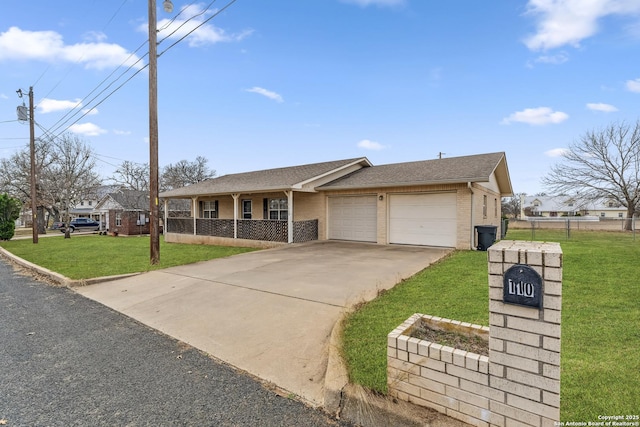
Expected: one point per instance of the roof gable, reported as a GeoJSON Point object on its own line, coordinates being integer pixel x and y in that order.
{"type": "Point", "coordinates": [130, 200]}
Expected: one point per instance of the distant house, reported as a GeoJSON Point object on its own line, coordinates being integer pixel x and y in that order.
{"type": "Point", "coordinates": [567, 206]}
{"type": "Point", "coordinates": [431, 203]}
{"type": "Point", "coordinates": [86, 208]}
{"type": "Point", "coordinates": [125, 212]}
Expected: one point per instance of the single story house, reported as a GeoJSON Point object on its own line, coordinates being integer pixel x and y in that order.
{"type": "Point", "coordinates": [431, 203]}
{"type": "Point", "coordinates": [125, 212]}
{"type": "Point", "coordinates": [563, 206]}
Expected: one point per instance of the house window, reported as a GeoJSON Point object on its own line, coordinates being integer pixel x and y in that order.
{"type": "Point", "coordinates": [484, 206]}
{"type": "Point", "coordinates": [246, 209]}
{"type": "Point", "coordinates": [619, 214]}
{"type": "Point", "coordinates": [118, 219]}
{"type": "Point", "coordinates": [601, 214]}
{"type": "Point", "coordinates": [278, 209]}
{"type": "Point", "coordinates": [495, 208]}
{"type": "Point", "coordinates": [82, 203]}
{"type": "Point", "coordinates": [209, 209]}
{"type": "Point", "coordinates": [90, 203]}
{"type": "Point", "coordinates": [610, 204]}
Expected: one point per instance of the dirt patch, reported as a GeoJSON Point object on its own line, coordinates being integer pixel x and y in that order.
{"type": "Point", "coordinates": [466, 342]}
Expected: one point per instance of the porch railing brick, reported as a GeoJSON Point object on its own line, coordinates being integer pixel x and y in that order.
{"type": "Point", "coordinates": [180, 225]}
{"type": "Point", "coordinates": [214, 227]}
{"type": "Point", "coordinates": [265, 230]}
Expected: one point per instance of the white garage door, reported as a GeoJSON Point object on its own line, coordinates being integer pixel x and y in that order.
{"type": "Point", "coordinates": [353, 218]}
{"type": "Point", "coordinates": [423, 219]}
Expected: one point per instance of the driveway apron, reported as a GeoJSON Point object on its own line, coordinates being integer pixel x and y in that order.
{"type": "Point", "coordinates": [268, 312]}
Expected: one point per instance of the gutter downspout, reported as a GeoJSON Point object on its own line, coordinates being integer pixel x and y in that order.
{"type": "Point", "coordinates": [473, 234]}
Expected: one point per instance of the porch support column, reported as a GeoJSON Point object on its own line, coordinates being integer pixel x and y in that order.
{"type": "Point", "coordinates": [289, 194]}
{"type": "Point", "coordinates": [194, 202]}
{"type": "Point", "coordinates": [235, 196]}
{"type": "Point", "coordinates": [166, 216]}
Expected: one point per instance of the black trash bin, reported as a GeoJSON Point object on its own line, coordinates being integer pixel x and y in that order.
{"type": "Point", "coordinates": [486, 236]}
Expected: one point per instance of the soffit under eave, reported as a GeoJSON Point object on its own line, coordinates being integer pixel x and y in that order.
{"type": "Point", "coordinates": [501, 172]}
{"type": "Point", "coordinates": [404, 184]}
{"type": "Point", "coordinates": [230, 193]}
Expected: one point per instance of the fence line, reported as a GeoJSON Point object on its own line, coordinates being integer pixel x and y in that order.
{"type": "Point", "coordinates": [569, 224]}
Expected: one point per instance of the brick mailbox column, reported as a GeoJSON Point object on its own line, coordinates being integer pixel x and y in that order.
{"type": "Point", "coordinates": [525, 301]}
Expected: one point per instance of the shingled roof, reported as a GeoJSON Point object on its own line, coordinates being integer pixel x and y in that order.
{"type": "Point", "coordinates": [475, 168]}
{"type": "Point", "coordinates": [277, 179]}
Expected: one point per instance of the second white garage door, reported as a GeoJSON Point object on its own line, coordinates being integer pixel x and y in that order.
{"type": "Point", "coordinates": [423, 219]}
{"type": "Point", "coordinates": [353, 218]}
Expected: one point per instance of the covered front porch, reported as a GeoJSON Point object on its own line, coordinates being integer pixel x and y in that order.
{"type": "Point", "coordinates": [265, 219]}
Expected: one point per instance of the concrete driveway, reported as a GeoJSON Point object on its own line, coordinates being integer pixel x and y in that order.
{"type": "Point", "coordinates": [268, 312]}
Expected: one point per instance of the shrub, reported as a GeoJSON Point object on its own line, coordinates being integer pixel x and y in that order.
{"type": "Point", "coordinates": [9, 212]}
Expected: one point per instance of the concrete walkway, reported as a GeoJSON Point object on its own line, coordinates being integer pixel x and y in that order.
{"type": "Point", "coordinates": [268, 312]}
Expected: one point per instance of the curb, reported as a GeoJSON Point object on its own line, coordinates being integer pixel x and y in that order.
{"type": "Point", "coordinates": [362, 407]}
{"type": "Point", "coordinates": [57, 278]}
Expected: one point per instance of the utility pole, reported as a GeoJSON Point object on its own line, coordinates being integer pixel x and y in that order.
{"type": "Point", "coordinates": [34, 201]}
{"type": "Point", "coordinates": [153, 136]}
{"type": "Point", "coordinates": [154, 211]}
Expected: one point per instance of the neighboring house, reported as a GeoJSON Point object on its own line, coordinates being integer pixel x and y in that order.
{"type": "Point", "coordinates": [564, 206]}
{"type": "Point", "coordinates": [125, 212]}
{"type": "Point", "coordinates": [433, 203]}
{"type": "Point", "coordinates": [87, 208]}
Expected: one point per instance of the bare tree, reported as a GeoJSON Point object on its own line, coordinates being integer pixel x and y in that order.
{"type": "Point", "coordinates": [73, 173]}
{"type": "Point", "coordinates": [511, 205]}
{"type": "Point", "coordinates": [15, 179]}
{"type": "Point", "coordinates": [185, 172]}
{"type": "Point", "coordinates": [132, 176]}
{"type": "Point", "coordinates": [602, 164]}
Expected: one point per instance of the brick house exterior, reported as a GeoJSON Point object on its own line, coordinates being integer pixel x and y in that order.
{"type": "Point", "coordinates": [429, 203]}
{"type": "Point", "coordinates": [127, 212]}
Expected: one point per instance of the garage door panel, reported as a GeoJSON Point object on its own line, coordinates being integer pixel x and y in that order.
{"type": "Point", "coordinates": [353, 218]}
{"type": "Point", "coordinates": [423, 219]}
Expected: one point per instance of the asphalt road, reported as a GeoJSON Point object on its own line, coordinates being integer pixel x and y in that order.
{"type": "Point", "coordinates": [68, 361]}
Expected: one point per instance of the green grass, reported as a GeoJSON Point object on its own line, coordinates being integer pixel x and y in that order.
{"type": "Point", "coordinates": [84, 257]}
{"type": "Point", "coordinates": [600, 368]}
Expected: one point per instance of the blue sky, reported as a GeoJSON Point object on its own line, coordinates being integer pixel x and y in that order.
{"type": "Point", "coordinates": [269, 84]}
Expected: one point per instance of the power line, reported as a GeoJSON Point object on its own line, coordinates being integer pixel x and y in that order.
{"type": "Point", "coordinates": [60, 123]}
{"type": "Point", "coordinates": [75, 110]}
{"type": "Point", "coordinates": [201, 24]}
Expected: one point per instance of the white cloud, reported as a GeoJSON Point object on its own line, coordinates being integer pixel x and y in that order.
{"type": "Point", "coordinates": [3, 96]}
{"type": "Point", "coordinates": [365, 3]}
{"type": "Point", "coordinates": [264, 92]}
{"type": "Point", "coordinates": [121, 132]}
{"type": "Point", "coordinates": [87, 129]}
{"type": "Point", "coordinates": [556, 152]}
{"type": "Point", "coordinates": [370, 145]}
{"type": "Point", "coordinates": [190, 24]}
{"type": "Point", "coordinates": [49, 46]}
{"type": "Point", "coordinates": [559, 58]}
{"type": "Point", "coordinates": [633, 85]}
{"type": "Point", "coordinates": [90, 111]}
{"type": "Point", "coordinates": [536, 116]}
{"type": "Point", "coordinates": [605, 108]}
{"type": "Point", "coordinates": [47, 105]}
{"type": "Point", "coordinates": [568, 22]}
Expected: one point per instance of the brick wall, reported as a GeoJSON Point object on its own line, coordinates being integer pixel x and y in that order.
{"type": "Point", "coordinates": [519, 383]}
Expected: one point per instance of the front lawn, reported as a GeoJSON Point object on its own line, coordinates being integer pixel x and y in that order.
{"type": "Point", "coordinates": [84, 257]}
{"type": "Point", "coordinates": [600, 318]}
